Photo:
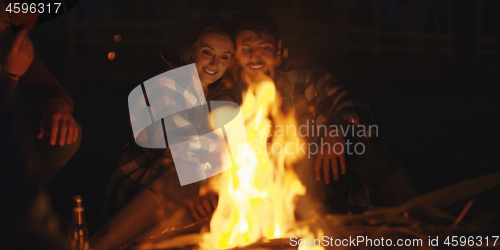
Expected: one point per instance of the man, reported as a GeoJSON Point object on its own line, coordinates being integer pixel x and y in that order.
{"type": "Point", "coordinates": [38, 126]}
{"type": "Point", "coordinates": [38, 136]}
{"type": "Point", "coordinates": [318, 99]}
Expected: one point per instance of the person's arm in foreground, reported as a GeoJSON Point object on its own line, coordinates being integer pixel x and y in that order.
{"type": "Point", "coordinates": [46, 94]}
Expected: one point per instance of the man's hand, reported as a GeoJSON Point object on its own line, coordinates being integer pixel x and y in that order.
{"type": "Point", "coordinates": [58, 120]}
{"type": "Point", "coordinates": [327, 157]}
{"type": "Point", "coordinates": [203, 207]}
{"type": "Point", "coordinates": [19, 57]}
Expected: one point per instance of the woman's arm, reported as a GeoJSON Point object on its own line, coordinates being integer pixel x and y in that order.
{"type": "Point", "coordinates": [143, 212]}
{"type": "Point", "coordinates": [163, 197]}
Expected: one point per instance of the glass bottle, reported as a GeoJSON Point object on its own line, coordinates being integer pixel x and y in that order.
{"type": "Point", "coordinates": [78, 231]}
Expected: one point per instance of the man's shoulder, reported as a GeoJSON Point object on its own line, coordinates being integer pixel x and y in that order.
{"type": "Point", "coordinates": [305, 72]}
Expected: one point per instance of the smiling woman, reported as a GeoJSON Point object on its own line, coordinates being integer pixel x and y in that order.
{"type": "Point", "coordinates": [210, 46]}
{"type": "Point", "coordinates": [213, 58]}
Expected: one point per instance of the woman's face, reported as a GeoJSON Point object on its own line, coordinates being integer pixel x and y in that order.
{"type": "Point", "coordinates": [213, 57]}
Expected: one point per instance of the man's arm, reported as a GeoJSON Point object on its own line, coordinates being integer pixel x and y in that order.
{"type": "Point", "coordinates": [27, 73]}
{"type": "Point", "coordinates": [333, 104]}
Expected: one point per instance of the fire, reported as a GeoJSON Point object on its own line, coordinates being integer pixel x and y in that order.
{"type": "Point", "coordinates": [257, 201]}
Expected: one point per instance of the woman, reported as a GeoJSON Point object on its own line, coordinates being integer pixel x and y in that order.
{"type": "Point", "coordinates": [145, 187]}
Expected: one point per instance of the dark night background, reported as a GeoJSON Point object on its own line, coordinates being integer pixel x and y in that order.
{"type": "Point", "coordinates": [429, 70]}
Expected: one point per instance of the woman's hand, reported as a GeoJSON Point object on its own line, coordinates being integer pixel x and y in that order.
{"type": "Point", "coordinates": [202, 207]}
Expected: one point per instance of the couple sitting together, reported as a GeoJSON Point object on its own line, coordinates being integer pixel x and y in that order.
{"type": "Point", "coordinates": [145, 188]}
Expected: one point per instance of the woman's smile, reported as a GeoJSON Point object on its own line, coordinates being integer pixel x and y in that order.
{"type": "Point", "coordinates": [210, 72]}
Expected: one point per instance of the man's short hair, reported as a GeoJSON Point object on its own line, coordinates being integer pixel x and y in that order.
{"type": "Point", "coordinates": [258, 21]}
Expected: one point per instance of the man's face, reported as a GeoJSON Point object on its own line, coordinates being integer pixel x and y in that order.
{"type": "Point", "coordinates": [19, 21]}
{"type": "Point", "coordinates": [257, 53]}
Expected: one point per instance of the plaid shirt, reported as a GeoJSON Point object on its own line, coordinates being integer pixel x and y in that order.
{"type": "Point", "coordinates": [314, 93]}
{"type": "Point", "coordinates": [317, 96]}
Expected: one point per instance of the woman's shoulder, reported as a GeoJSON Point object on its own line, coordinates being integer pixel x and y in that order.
{"type": "Point", "coordinates": [229, 95]}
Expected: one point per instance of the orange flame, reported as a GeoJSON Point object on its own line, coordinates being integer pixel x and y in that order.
{"type": "Point", "coordinates": [257, 201]}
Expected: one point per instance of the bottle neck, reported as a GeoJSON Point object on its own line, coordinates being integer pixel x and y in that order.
{"type": "Point", "coordinates": [78, 216]}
